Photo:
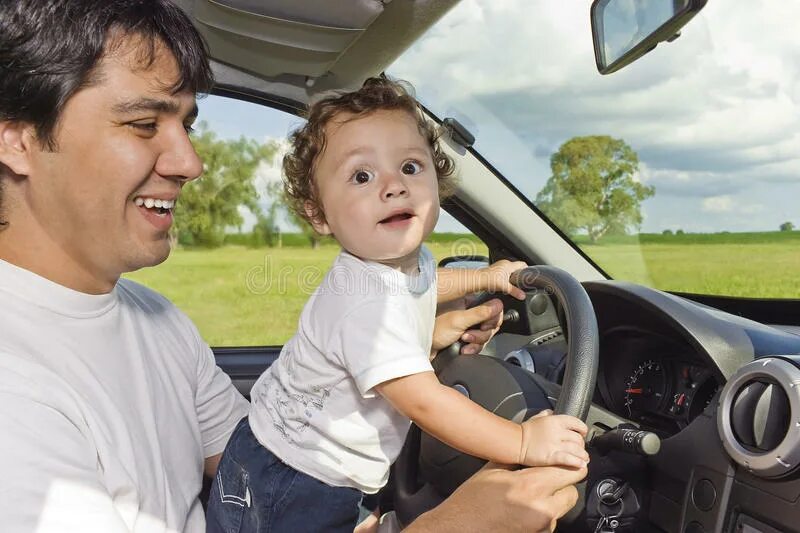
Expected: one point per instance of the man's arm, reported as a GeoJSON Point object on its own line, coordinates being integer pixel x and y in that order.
{"type": "Point", "coordinates": [219, 406]}
{"type": "Point", "coordinates": [455, 283]}
{"type": "Point", "coordinates": [474, 327]}
{"type": "Point", "coordinates": [51, 473]}
{"type": "Point", "coordinates": [499, 499]}
{"type": "Point", "coordinates": [211, 465]}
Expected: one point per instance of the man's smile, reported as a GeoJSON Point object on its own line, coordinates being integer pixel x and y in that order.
{"type": "Point", "coordinates": [158, 210]}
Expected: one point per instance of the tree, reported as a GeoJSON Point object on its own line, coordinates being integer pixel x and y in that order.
{"type": "Point", "coordinates": [266, 230]}
{"type": "Point", "coordinates": [304, 226]}
{"type": "Point", "coordinates": [666, 232]}
{"type": "Point", "coordinates": [592, 187]}
{"type": "Point", "coordinates": [210, 204]}
{"type": "Point", "coordinates": [787, 226]}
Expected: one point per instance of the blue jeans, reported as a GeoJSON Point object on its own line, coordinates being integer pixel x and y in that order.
{"type": "Point", "coordinates": [255, 492]}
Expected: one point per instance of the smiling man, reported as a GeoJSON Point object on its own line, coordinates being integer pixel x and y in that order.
{"type": "Point", "coordinates": [140, 158]}
{"type": "Point", "coordinates": [111, 402]}
{"type": "Point", "coordinates": [111, 405]}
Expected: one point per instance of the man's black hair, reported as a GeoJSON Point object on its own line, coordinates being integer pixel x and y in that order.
{"type": "Point", "coordinates": [49, 50]}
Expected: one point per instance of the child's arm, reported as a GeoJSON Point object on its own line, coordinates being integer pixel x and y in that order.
{"type": "Point", "coordinates": [461, 423]}
{"type": "Point", "coordinates": [455, 283]}
{"type": "Point", "coordinates": [453, 418]}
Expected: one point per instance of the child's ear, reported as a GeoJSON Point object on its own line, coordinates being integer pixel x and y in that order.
{"type": "Point", "coordinates": [317, 218]}
{"type": "Point", "coordinates": [16, 143]}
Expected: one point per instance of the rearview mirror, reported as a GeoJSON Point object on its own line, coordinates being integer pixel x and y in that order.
{"type": "Point", "coordinates": [625, 30]}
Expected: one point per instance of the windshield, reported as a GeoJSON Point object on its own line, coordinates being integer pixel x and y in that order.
{"type": "Point", "coordinates": [679, 171]}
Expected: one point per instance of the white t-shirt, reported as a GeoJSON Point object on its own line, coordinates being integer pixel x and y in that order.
{"type": "Point", "coordinates": [315, 408]}
{"type": "Point", "coordinates": [108, 406]}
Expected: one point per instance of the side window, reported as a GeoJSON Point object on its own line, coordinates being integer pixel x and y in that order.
{"type": "Point", "coordinates": [242, 267]}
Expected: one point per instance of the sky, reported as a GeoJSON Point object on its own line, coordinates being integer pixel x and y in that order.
{"type": "Point", "coordinates": [713, 115]}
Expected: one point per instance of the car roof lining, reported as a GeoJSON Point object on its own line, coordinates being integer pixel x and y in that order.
{"type": "Point", "coordinates": [296, 49]}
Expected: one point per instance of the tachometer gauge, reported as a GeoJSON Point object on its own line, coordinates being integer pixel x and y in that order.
{"type": "Point", "coordinates": [646, 388]}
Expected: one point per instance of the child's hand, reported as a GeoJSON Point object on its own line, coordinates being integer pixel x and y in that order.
{"type": "Point", "coordinates": [549, 439]}
{"type": "Point", "coordinates": [497, 278]}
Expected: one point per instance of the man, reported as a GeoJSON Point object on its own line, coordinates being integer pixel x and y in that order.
{"type": "Point", "coordinates": [111, 405]}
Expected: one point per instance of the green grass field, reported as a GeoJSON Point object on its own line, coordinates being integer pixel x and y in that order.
{"type": "Point", "coordinates": [240, 296]}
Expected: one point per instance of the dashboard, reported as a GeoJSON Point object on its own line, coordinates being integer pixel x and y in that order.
{"type": "Point", "coordinates": [663, 359]}
{"type": "Point", "coordinates": [653, 380]}
{"type": "Point", "coordinates": [719, 390]}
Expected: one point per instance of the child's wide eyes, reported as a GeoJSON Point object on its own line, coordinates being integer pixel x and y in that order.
{"type": "Point", "coordinates": [411, 167]}
{"type": "Point", "coordinates": [362, 176]}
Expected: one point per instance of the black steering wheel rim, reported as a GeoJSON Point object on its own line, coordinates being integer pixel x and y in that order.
{"type": "Point", "coordinates": [426, 458]}
{"type": "Point", "coordinates": [580, 375]}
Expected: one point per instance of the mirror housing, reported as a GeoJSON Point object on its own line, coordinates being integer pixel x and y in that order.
{"type": "Point", "coordinates": [625, 30]}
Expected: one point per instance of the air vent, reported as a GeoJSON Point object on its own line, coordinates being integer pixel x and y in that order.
{"type": "Point", "coordinates": [759, 417]}
{"type": "Point", "coordinates": [546, 337]}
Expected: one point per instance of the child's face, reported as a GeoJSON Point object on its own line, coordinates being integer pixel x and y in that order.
{"type": "Point", "coordinates": [378, 188]}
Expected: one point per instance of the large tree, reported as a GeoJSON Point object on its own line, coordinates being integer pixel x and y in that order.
{"type": "Point", "coordinates": [592, 187]}
{"type": "Point", "coordinates": [211, 204]}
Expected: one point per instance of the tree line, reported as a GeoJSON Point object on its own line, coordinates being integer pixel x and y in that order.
{"type": "Point", "coordinates": [593, 190]}
{"type": "Point", "coordinates": [211, 205]}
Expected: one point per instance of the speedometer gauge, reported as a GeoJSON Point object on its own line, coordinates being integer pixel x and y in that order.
{"type": "Point", "coordinates": [645, 388]}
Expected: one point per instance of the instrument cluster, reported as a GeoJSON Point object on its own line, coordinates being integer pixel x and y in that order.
{"type": "Point", "coordinates": [654, 381]}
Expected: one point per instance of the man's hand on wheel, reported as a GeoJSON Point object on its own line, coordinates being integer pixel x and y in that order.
{"type": "Point", "coordinates": [498, 498]}
{"type": "Point", "coordinates": [473, 327]}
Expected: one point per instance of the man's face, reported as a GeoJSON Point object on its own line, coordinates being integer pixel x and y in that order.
{"type": "Point", "coordinates": [378, 187]}
{"type": "Point", "coordinates": [122, 150]}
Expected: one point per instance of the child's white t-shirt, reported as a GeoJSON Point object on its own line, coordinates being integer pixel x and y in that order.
{"type": "Point", "coordinates": [315, 408]}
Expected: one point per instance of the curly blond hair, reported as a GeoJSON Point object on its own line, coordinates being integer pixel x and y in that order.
{"type": "Point", "coordinates": [308, 142]}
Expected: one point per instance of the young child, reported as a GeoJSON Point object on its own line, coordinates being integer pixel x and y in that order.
{"type": "Point", "coordinates": [331, 414]}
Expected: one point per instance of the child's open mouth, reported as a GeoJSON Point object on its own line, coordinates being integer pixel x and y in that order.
{"type": "Point", "coordinates": [397, 218]}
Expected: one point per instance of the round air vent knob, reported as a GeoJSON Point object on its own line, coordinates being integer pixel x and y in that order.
{"type": "Point", "coordinates": [759, 417]}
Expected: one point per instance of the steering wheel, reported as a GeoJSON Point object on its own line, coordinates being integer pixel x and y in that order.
{"type": "Point", "coordinates": [427, 471]}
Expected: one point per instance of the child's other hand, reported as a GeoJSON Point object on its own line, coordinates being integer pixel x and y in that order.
{"type": "Point", "coordinates": [497, 278]}
{"type": "Point", "coordinates": [549, 439]}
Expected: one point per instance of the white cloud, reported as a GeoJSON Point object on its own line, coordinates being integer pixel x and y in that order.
{"type": "Point", "coordinates": [713, 115]}
{"type": "Point", "coordinates": [726, 204]}
{"type": "Point", "coordinates": [752, 209]}
{"type": "Point", "coordinates": [269, 172]}
{"type": "Point", "coordinates": [718, 204]}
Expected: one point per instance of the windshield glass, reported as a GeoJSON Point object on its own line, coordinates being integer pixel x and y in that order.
{"type": "Point", "coordinates": [679, 171]}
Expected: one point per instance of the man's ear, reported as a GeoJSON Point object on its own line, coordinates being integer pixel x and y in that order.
{"type": "Point", "coordinates": [16, 142]}
{"type": "Point", "coordinates": [317, 218]}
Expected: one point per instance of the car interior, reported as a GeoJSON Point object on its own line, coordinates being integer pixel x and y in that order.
{"type": "Point", "coordinates": [692, 401]}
